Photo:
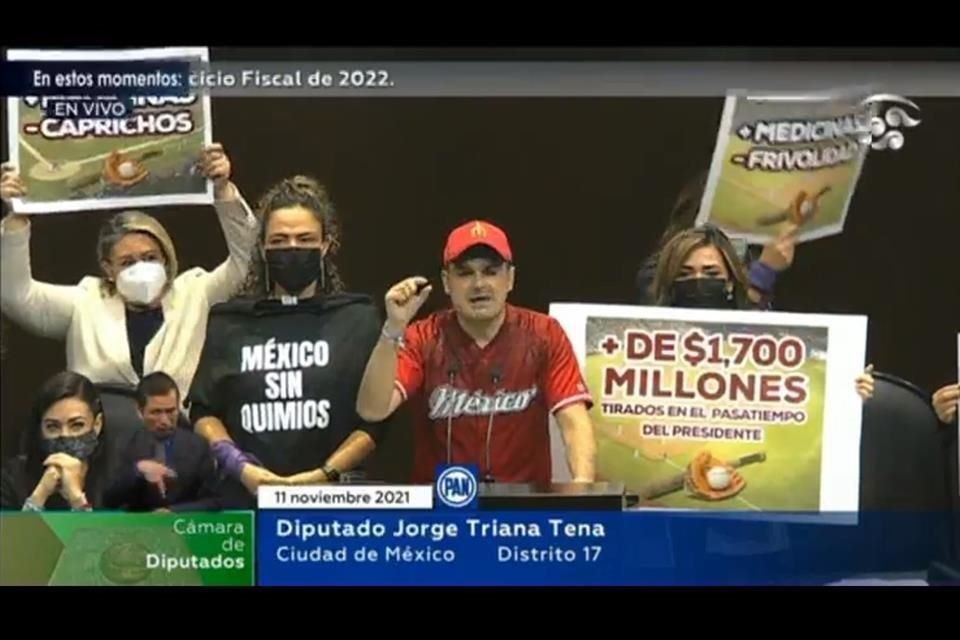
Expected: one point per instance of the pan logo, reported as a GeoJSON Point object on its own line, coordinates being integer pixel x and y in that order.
{"type": "Point", "coordinates": [457, 487]}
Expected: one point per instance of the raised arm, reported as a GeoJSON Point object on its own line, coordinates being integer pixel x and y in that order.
{"type": "Point", "coordinates": [39, 307]}
{"type": "Point", "coordinates": [379, 395]}
{"type": "Point", "coordinates": [239, 227]}
{"type": "Point", "coordinates": [776, 257]}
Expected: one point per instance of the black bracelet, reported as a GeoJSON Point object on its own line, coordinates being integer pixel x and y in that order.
{"type": "Point", "coordinates": [332, 474]}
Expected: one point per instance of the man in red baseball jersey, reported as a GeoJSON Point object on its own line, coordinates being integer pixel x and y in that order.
{"type": "Point", "coordinates": [484, 375]}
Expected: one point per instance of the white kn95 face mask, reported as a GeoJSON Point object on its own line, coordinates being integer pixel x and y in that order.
{"type": "Point", "coordinates": [142, 282]}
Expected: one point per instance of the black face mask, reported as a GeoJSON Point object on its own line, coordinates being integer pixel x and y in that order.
{"type": "Point", "coordinates": [294, 269]}
{"type": "Point", "coordinates": [701, 293]}
{"type": "Point", "coordinates": [79, 447]}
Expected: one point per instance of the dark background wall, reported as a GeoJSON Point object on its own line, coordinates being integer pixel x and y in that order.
{"type": "Point", "coordinates": [583, 187]}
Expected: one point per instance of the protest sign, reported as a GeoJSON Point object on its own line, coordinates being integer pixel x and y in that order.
{"type": "Point", "coordinates": [109, 151]}
{"type": "Point", "coordinates": [787, 158]}
{"type": "Point", "coordinates": [732, 410]}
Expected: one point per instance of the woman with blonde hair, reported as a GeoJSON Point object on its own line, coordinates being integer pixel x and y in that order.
{"type": "Point", "coordinates": [699, 268]}
{"type": "Point", "coordinates": [761, 268]}
{"type": "Point", "coordinates": [142, 314]}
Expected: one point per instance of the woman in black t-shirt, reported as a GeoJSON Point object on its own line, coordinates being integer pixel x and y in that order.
{"type": "Point", "coordinates": [275, 391]}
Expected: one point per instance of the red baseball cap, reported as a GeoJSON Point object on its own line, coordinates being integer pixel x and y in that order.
{"type": "Point", "coordinates": [473, 233]}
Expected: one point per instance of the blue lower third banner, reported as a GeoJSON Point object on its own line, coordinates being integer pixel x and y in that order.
{"type": "Point", "coordinates": [415, 548]}
{"type": "Point", "coordinates": [518, 548]}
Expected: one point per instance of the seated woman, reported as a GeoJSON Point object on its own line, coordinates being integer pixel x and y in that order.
{"type": "Point", "coordinates": [63, 464]}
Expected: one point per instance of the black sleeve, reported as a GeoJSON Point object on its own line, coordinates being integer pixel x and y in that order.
{"type": "Point", "coordinates": [377, 430]}
{"type": "Point", "coordinates": [199, 410]}
{"type": "Point", "coordinates": [203, 398]}
{"type": "Point", "coordinates": [368, 328]}
{"type": "Point", "coordinates": [128, 490]}
{"type": "Point", "coordinates": [13, 492]}
{"type": "Point", "coordinates": [208, 496]}
{"type": "Point", "coordinates": [644, 280]}
{"type": "Point", "coordinates": [949, 430]}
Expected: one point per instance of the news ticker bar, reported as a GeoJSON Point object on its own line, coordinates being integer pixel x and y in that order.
{"type": "Point", "coordinates": [473, 79]}
{"type": "Point", "coordinates": [346, 497]}
{"type": "Point", "coordinates": [29, 78]}
{"type": "Point", "coordinates": [275, 547]}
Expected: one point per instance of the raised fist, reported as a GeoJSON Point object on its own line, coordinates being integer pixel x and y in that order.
{"type": "Point", "coordinates": [404, 299]}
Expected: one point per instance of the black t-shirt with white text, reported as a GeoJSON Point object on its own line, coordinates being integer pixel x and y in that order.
{"type": "Point", "coordinates": [284, 378]}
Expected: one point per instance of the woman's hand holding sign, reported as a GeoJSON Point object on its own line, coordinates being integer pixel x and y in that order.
{"type": "Point", "coordinates": [216, 166]}
{"type": "Point", "coordinates": [779, 252]}
{"type": "Point", "coordinates": [11, 186]}
{"type": "Point", "coordinates": [865, 383]}
{"type": "Point", "coordinates": [945, 402]}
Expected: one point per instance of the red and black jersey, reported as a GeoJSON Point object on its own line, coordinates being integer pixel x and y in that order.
{"type": "Point", "coordinates": [496, 400]}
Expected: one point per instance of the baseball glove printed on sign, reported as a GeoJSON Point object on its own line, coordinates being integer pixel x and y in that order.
{"type": "Point", "coordinates": [121, 169]}
{"type": "Point", "coordinates": [710, 478]}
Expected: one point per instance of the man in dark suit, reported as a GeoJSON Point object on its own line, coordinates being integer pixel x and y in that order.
{"type": "Point", "coordinates": [168, 468]}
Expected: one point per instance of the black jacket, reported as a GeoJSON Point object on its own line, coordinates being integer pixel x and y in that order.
{"type": "Point", "coordinates": [644, 280]}
{"type": "Point", "coordinates": [195, 488]}
{"type": "Point", "coordinates": [283, 379]}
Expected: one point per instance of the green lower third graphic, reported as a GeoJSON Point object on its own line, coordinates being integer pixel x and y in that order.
{"type": "Point", "coordinates": [125, 549]}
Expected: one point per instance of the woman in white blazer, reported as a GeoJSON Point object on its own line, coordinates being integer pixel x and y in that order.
{"type": "Point", "coordinates": [141, 314]}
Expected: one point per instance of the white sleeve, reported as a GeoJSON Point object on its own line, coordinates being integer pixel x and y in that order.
{"type": "Point", "coordinates": [240, 230]}
{"type": "Point", "coordinates": [42, 308]}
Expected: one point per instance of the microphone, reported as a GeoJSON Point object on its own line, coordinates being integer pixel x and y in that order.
{"type": "Point", "coordinates": [452, 372]}
{"type": "Point", "coordinates": [496, 374]}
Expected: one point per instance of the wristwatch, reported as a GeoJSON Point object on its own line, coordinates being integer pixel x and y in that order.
{"type": "Point", "coordinates": [332, 474]}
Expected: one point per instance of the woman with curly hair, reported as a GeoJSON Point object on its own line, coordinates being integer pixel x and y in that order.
{"type": "Point", "coordinates": [275, 392]}
{"type": "Point", "coordinates": [297, 252]}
